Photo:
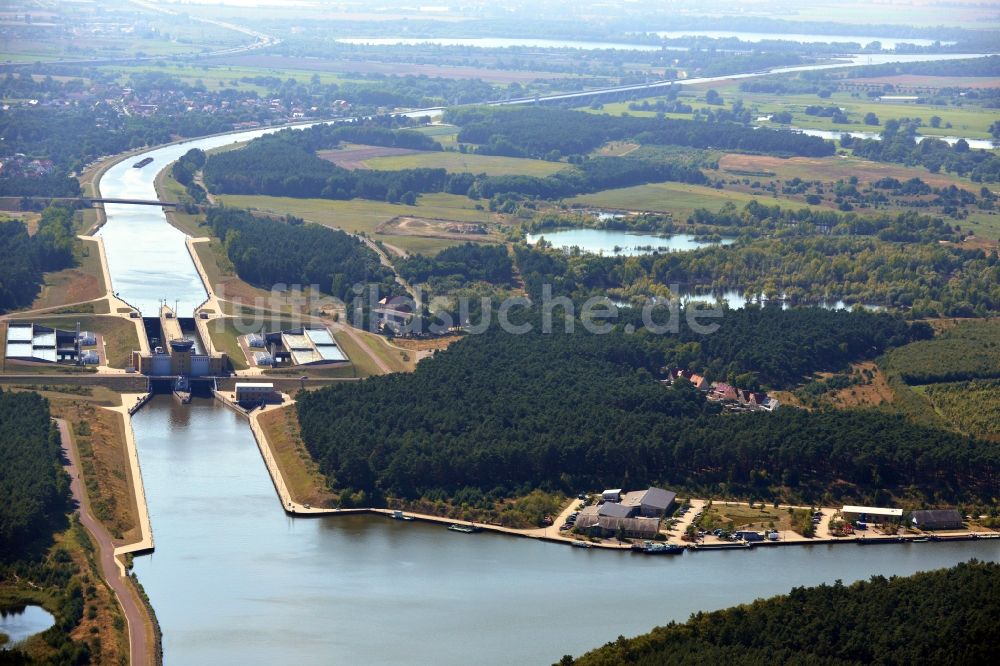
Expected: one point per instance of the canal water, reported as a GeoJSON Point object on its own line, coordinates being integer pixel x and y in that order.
{"type": "Point", "coordinates": [234, 580]}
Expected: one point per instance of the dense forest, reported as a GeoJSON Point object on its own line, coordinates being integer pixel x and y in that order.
{"type": "Point", "coordinates": [470, 262]}
{"type": "Point", "coordinates": [937, 617]}
{"type": "Point", "coordinates": [501, 414]}
{"type": "Point", "coordinates": [266, 252]}
{"type": "Point", "coordinates": [277, 167]}
{"type": "Point", "coordinates": [25, 257]}
{"type": "Point", "coordinates": [929, 279]}
{"type": "Point", "coordinates": [34, 490]}
{"type": "Point", "coordinates": [546, 133]}
{"type": "Point", "coordinates": [758, 219]}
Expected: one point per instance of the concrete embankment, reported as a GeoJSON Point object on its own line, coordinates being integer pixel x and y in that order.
{"type": "Point", "coordinates": [136, 618]}
{"type": "Point", "coordinates": [131, 402]}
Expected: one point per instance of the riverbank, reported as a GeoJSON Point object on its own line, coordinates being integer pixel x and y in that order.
{"type": "Point", "coordinates": [139, 621]}
{"type": "Point", "coordinates": [553, 534]}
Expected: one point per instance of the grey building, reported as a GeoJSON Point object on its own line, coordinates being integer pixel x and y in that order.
{"type": "Point", "coordinates": [937, 519]}
{"type": "Point", "coordinates": [650, 503]}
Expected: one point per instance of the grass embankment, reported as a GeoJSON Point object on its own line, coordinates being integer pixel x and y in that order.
{"type": "Point", "coordinates": [362, 216]}
{"type": "Point", "coordinates": [397, 359]}
{"type": "Point", "coordinates": [82, 282]}
{"type": "Point", "coordinates": [519, 513]}
{"type": "Point", "coordinates": [305, 482]}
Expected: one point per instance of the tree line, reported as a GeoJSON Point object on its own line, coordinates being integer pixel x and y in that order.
{"type": "Point", "coordinates": [899, 145]}
{"type": "Point", "coordinates": [266, 252]}
{"type": "Point", "coordinates": [34, 489]}
{"type": "Point", "coordinates": [541, 132]}
{"type": "Point", "coordinates": [26, 257]}
{"type": "Point", "coordinates": [469, 262]}
{"type": "Point", "coordinates": [935, 617]}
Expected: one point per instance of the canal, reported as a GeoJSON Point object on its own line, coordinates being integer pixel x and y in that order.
{"type": "Point", "coordinates": [235, 580]}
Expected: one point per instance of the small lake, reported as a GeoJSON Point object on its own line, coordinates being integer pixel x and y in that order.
{"type": "Point", "coordinates": [498, 43]}
{"type": "Point", "coordinates": [621, 243]}
{"type": "Point", "coordinates": [886, 42]}
{"type": "Point", "coordinates": [23, 623]}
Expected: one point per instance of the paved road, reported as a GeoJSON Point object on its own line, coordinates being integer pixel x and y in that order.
{"type": "Point", "coordinates": [135, 614]}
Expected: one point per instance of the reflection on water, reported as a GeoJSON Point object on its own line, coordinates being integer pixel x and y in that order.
{"type": "Point", "coordinates": [20, 623]}
{"type": "Point", "coordinates": [234, 580]}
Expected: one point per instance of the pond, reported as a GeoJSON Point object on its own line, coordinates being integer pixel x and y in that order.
{"type": "Point", "coordinates": [24, 622]}
{"type": "Point", "coordinates": [621, 243]}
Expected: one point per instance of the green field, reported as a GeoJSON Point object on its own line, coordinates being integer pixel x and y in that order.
{"type": "Point", "coordinates": [362, 216]}
{"type": "Point", "coordinates": [455, 162]}
{"type": "Point", "coordinates": [676, 198]}
{"type": "Point", "coordinates": [446, 135]}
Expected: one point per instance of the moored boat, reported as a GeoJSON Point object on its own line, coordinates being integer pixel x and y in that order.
{"type": "Point", "coordinates": [464, 529]}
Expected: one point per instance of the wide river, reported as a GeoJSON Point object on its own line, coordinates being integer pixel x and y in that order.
{"type": "Point", "coordinates": [235, 581]}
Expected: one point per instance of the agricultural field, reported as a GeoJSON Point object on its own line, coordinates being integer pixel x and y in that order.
{"type": "Point", "coordinates": [215, 76]}
{"type": "Point", "coordinates": [446, 135]}
{"type": "Point", "coordinates": [677, 198]}
{"type": "Point", "coordinates": [361, 216]}
{"type": "Point", "coordinates": [455, 162]}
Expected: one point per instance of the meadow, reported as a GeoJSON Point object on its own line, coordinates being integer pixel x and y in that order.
{"type": "Point", "coordinates": [677, 198]}
{"type": "Point", "coordinates": [363, 216]}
